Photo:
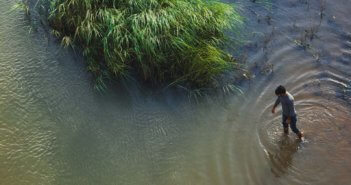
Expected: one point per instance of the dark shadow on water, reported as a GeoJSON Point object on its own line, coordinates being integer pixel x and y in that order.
{"type": "Point", "coordinates": [282, 159]}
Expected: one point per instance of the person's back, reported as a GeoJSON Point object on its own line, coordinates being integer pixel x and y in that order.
{"type": "Point", "coordinates": [287, 102]}
{"type": "Point", "coordinates": [289, 112]}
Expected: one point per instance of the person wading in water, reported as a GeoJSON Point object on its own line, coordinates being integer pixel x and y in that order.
{"type": "Point", "coordinates": [289, 112]}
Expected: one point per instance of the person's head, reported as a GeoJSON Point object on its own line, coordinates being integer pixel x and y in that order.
{"type": "Point", "coordinates": [280, 90]}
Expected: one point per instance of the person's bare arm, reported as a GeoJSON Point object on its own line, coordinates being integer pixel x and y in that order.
{"type": "Point", "coordinates": [275, 105]}
{"type": "Point", "coordinates": [273, 109]}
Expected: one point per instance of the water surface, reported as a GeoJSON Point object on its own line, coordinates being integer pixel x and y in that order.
{"type": "Point", "coordinates": [56, 129]}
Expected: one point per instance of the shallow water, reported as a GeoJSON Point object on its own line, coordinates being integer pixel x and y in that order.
{"type": "Point", "coordinates": [55, 129]}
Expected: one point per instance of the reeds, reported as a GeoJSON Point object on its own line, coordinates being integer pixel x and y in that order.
{"type": "Point", "coordinates": [163, 41]}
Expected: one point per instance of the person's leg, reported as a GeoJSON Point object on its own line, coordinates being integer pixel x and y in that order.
{"type": "Point", "coordinates": [285, 124]}
{"type": "Point", "coordinates": [293, 126]}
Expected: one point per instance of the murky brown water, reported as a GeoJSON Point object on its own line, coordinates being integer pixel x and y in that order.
{"type": "Point", "coordinates": [55, 129]}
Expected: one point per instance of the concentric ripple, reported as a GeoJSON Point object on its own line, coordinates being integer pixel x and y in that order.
{"type": "Point", "coordinates": [55, 129]}
{"type": "Point", "coordinates": [323, 111]}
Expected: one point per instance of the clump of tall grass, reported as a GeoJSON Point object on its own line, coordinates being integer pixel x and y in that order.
{"type": "Point", "coordinates": [23, 5]}
{"type": "Point", "coordinates": [162, 41]}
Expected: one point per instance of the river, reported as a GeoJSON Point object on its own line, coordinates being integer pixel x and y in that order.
{"type": "Point", "coordinates": [56, 129]}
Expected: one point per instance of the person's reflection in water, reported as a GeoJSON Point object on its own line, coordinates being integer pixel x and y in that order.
{"type": "Point", "coordinates": [282, 159]}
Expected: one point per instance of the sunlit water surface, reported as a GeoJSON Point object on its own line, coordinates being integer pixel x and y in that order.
{"type": "Point", "coordinates": [56, 129]}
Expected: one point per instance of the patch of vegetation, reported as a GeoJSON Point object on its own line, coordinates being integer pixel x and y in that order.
{"type": "Point", "coordinates": [161, 41]}
{"type": "Point", "coordinates": [23, 5]}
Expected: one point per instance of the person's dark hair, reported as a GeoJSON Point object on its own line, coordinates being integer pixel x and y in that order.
{"type": "Point", "coordinates": [280, 90]}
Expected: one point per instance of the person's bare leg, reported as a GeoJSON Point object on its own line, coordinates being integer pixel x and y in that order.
{"type": "Point", "coordinates": [293, 127]}
{"type": "Point", "coordinates": [286, 130]}
{"type": "Point", "coordinates": [300, 135]}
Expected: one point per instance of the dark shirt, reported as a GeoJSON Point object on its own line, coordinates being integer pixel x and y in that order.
{"type": "Point", "coordinates": [287, 102]}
